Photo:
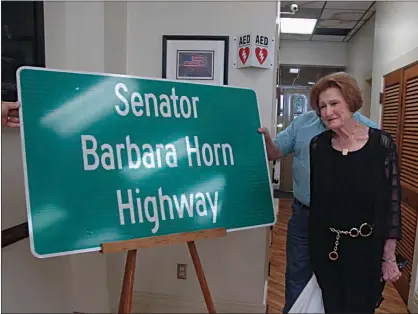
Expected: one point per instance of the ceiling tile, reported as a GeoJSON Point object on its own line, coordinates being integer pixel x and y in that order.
{"type": "Point", "coordinates": [304, 4]}
{"type": "Point", "coordinates": [349, 5]}
{"type": "Point", "coordinates": [354, 30]}
{"type": "Point", "coordinates": [327, 38]}
{"type": "Point", "coordinates": [336, 24]}
{"type": "Point", "coordinates": [331, 31]}
{"type": "Point", "coordinates": [302, 13]}
{"type": "Point", "coordinates": [360, 23]}
{"type": "Point", "coordinates": [295, 36]}
{"type": "Point", "coordinates": [287, 3]}
{"type": "Point", "coordinates": [368, 14]}
{"type": "Point", "coordinates": [346, 15]}
{"type": "Point", "coordinates": [313, 4]}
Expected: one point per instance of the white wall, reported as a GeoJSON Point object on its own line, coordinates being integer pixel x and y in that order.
{"type": "Point", "coordinates": [74, 39]}
{"type": "Point", "coordinates": [126, 37]}
{"type": "Point", "coordinates": [395, 43]}
{"type": "Point", "coordinates": [360, 60]}
{"type": "Point", "coordinates": [235, 265]}
{"type": "Point", "coordinates": [28, 284]}
{"type": "Point", "coordinates": [206, 18]}
{"type": "Point", "coordinates": [31, 285]}
{"type": "Point", "coordinates": [300, 52]}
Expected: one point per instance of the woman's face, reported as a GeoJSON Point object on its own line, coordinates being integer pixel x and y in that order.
{"type": "Point", "coordinates": [333, 108]}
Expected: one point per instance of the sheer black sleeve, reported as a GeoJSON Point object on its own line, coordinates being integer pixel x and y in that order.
{"type": "Point", "coordinates": [313, 153]}
{"type": "Point", "coordinates": [314, 216]}
{"type": "Point", "coordinates": [394, 217]}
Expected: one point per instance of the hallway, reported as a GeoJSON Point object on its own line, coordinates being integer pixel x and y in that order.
{"type": "Point", "coordinates": [392, 301]}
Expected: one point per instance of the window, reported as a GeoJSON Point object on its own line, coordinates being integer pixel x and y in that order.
{"type": "Point", "coordinates": [22, 40]}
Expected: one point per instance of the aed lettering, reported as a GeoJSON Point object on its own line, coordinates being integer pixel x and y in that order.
{"type": "Point", "coordinates": [244, 40]}
{"type": "Point", "coordinates": [261, 40]}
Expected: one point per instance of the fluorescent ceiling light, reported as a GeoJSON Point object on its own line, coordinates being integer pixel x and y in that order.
{"type": "Point", "coordinates": [311, 83]}
{"type": "Point", "coordinates": [297, 26]}
{"type": "Point", "coordinates": [294, 71]}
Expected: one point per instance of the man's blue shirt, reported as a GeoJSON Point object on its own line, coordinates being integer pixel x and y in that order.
{"type": "Point", "coordinates": [296, 139]}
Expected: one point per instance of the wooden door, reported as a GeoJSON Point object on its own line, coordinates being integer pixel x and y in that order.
{"type": "Point", "coordinates": [408, 144]}
{"type": "Point", "coordinates": [400, 119]}
{"type": "Point", "coordinates": [392, 100]}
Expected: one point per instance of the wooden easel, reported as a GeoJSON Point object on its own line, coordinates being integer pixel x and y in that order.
{"type": "Point", "coordinates": [132, 246]}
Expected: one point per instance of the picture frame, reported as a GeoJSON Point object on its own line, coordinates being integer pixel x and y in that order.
{"type": "Point", "coordinates": [196, 58]}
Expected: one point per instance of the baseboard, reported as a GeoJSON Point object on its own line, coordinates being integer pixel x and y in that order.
{"type": "Point", "coordinates": [162, 303]}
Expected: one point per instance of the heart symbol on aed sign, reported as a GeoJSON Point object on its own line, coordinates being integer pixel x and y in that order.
{"type": "Point", "coordinates": [244, 53]}
{"type": "Point", "coordinates": [261, 54]}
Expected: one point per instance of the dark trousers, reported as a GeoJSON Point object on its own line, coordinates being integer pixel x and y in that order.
{"type": "Point", "coordinates": [298, 267]}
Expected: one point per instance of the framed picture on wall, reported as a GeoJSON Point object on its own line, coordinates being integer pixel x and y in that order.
{"type": "Point", "coordinates": [195, 65]}
{"type": "Point", "coordinates": [196, 58]}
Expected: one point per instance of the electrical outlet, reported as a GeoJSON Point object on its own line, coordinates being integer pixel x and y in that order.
{"type": "Point", "coordinates": [181, 271]}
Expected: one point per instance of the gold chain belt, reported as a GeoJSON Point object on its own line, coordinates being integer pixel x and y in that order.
{"type": "Point", "coordinates": [354, 233]}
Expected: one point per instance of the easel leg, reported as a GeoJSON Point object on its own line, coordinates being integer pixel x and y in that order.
{"type": "Point", "coordinates": [125, 302]}
{"type": "Point", "coordinates": [201, 277]}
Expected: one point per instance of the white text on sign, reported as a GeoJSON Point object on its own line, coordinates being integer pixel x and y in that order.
{"type": "Point", "coordinates": [159, 207]}
{"type": "Point", "coordinates": [166, 106]}
{"type": "Point", "coordinates": [130, 155]}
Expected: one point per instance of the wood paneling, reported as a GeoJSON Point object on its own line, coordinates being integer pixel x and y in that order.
{"type": "Point", "coordinates": [409, 132]}
{"type": "Point", "coordinates": [400, 119]}
{"type": "Point", "coordinates": [392, 96]}
{"type": "Point", "coordinates": [406, 246]}
{"type": "Point", "coordinates": [276, 287]}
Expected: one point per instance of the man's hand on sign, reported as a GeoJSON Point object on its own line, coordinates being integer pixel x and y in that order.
{"type": "Point", "coordinates": [273, 152]}
{"type": "Point", "coordinates": [10, 114]}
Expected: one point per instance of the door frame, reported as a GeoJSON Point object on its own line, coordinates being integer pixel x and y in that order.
{"type": "Point", "coordinates": [413, 288]}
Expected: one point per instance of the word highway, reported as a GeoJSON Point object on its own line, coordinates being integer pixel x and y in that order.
{"type": "Point", "coordinates": [132, 206]}
{"type": "Point", "coordinates": [154, 207]}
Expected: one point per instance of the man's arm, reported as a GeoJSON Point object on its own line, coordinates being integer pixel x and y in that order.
{"type": "Point", "coordinates": [273, 152]}
{"type": "Point", "coordinates": [365, 120]}
{"type": "Point", "coordinates": [282, 145]}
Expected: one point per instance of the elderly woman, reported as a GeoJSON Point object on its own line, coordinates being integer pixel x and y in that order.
{"type": "Point", "coordinates": [355, 215]}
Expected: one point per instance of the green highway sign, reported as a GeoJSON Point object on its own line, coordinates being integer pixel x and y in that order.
{"type": "Point", "coordinates": [113, 157]}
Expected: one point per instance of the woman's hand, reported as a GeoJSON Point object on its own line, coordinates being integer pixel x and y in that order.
{"type": "Point", "coordinates": [390, 271]}
{"type": "Point", "coordinates": [390, 268]}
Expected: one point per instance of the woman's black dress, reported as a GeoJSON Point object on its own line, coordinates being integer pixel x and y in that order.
{"type": "Point", "coordinates": [347, 191]}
